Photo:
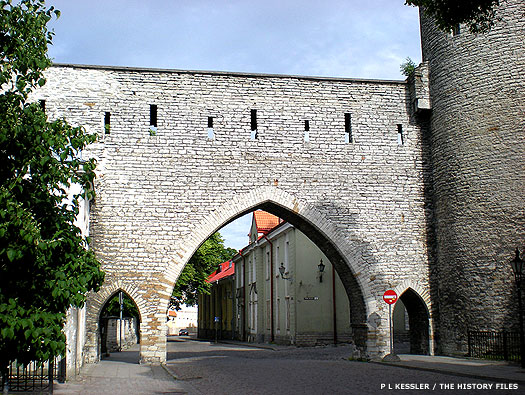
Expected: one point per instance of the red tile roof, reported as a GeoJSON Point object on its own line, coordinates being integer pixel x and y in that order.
{"type": "Point", "coordinates": [227, 269]}
{"type": "Point", "coordinates": [265, 221]}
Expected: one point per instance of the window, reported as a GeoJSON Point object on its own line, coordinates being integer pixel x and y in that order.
{"type": "Point", "coordinates": [306, 131]}
{"type": "Point", "coordinates": [268, 263]}
{"type": "Point", "coordinates": [107, 122]}
{"type": "Point", "coordinates": [348, 128]}
{"type": "Point", "coordinates": [253, 124]}
{"type": "Point", "coordinates": [286, 252]}
{"type": "Point", "coordinates": [278, 313]}
{"type": "Point", "coordinates": [43, 105]}
{"type": "Point", "coordinates": [287, 306]}
{"type": "Point", "coordinates": [268, 314]}
{"type": "Point", "coordinates": [211, 132]}
{"type": "Point", "coordinates": [277, 262]}
{"type": "Point", "coordinates": [400, 137]}
{"type": "Point", "coordinates": [254, 273]}
{"type": "Point", "coordinates": [153, 115]}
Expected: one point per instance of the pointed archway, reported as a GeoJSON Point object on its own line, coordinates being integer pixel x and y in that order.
{"type": "Point", "coordinates": [345, 255]}
{"type": "Point", "coordinates": [411, 324]}
{"type": "Point", "coordinates": [119, 323]}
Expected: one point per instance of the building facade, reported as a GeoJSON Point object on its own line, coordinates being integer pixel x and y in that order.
{"type": "Point", "coordinates": [216, 309]}
{"type": "Point", "coordinates": [286, 291]}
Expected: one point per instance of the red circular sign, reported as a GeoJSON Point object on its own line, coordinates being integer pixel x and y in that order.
{"type": "Point", "coordinates": [390, 296]}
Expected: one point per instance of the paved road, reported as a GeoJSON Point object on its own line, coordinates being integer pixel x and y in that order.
{"type": "Point", "coordinates": [208, 368]}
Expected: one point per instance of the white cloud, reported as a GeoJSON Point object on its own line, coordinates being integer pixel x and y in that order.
{"type": "Point", "coordinates": [235, 234]}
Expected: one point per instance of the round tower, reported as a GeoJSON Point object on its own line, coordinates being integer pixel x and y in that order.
{"type": "Point", "coordinates": [477, 145]}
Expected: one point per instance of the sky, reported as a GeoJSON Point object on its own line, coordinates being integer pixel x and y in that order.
{"type": "Point", "coordinates": [330, 38]}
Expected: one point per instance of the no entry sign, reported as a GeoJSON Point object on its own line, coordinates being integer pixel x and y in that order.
{"type": "Point", "coordinates": [390, 296]}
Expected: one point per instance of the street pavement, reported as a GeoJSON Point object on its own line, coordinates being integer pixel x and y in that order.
{"type": "Point", "coordinates": [121, 374]}
{"type": "Point", "coordinates": [202, 367]}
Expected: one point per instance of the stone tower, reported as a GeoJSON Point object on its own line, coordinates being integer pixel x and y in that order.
{"type": "Point", "coordinates": [477, 142]}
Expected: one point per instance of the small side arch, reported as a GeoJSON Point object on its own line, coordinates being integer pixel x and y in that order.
{"type": "Point", "coordinates": [114, 334]}
{"type": "Point", "coordinates": [100, 298]}
{"type": "Point", "coordinates": [414, 306]}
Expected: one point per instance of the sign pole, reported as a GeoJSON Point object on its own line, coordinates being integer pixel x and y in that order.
{"type": "Point", "coordinates": [390, 297]}
{"type": "Point", "coordinates": [390, 327]}
{"type": "Point", "coordinates": [121, 302]}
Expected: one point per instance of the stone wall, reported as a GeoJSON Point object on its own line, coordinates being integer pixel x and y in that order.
{"type": "Point", "coordinates": [129, 334]}
{"type": "Point", "coordinates": [160, 195]}
{"type": "Point", "coordinates": [477, 142]}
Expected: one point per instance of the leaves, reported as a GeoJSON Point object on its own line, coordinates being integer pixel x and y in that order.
{"type": "Point", "coordinates": [44, 265]}
{"type": "Point", "coordinates": [192, 280]}
{"type": "Point", "coordinates": [478, 15]}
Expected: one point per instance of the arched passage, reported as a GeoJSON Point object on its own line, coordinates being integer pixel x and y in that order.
{"type": "Point", "coordinates": [344, 255]}
{"type": "Point", "coordinates": [411, 324]}
{"type": "Point", "coordinates": [119, 323]}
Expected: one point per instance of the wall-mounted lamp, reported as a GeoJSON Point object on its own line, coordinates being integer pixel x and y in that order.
{"type": "Point", "coordinates": [282, 270]}
{"type": "Point", "coordinates": [321, 267]}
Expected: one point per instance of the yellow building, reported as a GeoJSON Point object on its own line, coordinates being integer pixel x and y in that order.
{"type": "Point", "coordinates": [215, 317]}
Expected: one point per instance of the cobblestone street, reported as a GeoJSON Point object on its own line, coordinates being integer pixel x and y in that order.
{"type": "Point", "coordinates": [210, 368]}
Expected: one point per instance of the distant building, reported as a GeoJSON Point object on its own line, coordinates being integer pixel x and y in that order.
{"type": "Point", "coordinates": [216, 309]}
{"type": "Point", "coordinates": [185, 318]}
{"type": "Point", "coordinates": [253, 301]}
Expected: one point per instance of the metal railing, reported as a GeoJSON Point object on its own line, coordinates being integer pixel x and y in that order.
{"type": "Point", "coordinates": [494, 345]}
{"type": "Point", "coordinates": [35, 376]}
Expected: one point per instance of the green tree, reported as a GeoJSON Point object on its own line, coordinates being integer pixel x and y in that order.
{"type": "Point", "coordinates": [192, 280]}
{"type": "Point", "coordinates": [45, 266]}
{"type": "Point", "coordinates": [478, 15]}
{"type": "Point", "coordinates": [407, 67]}
{"type": "Point", "coordinates": [112, 307]}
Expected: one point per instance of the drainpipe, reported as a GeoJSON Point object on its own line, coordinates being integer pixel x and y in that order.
{"type": "Point", "coordinates": [334, 305]}
{"type": "Point", "coordinates": [272, 335]}
{"type": "Point", "coordinates": [246, 301]}
{"type": "Point", "coordinates": [234, 304]}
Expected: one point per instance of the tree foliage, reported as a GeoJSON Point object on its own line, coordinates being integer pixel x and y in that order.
{"type": "Point", "coordinates": [407, 67]}
{"type": "Point", "coordinates": [45, 266]}
{"type": "Point", "coordinates": [112, 307]}
{"type": "Point", "coordinates": [478, 15]}
{"type": "Point", "coordinates": [192, 280]}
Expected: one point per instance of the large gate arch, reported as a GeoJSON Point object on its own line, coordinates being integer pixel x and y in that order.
{"type": "Point", "coordinates": [344, 256]}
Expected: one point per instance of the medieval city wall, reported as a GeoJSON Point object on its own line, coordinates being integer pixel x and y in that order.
{"type": "Point", "coordinates": [161, 194]}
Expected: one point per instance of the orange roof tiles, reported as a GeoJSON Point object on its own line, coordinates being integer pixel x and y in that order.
{"type": "Point", "coordinates": [265, 221]}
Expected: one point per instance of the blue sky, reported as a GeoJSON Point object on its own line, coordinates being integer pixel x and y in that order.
{"type": "Point", "coordinates": [343, 38]}
{"type": "Point", "coordinates": [334, 38]}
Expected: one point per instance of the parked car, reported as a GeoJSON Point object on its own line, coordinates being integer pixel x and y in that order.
{"type": "Point", "coordinates": [184, 332]}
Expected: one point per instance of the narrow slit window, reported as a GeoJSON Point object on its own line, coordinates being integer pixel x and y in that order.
{"type": "Point", "coordinates": [211, 132]}
{"type": "Point", "coordinates": [107, 122]}
{"type": "Point", "coordinates": [306, 131]}
{"type": "Point", "coordinates": [253, 124]}
{"type": "Point", "coordinates": [153, 115]}
{"type": "Point", "coordinates": [348, 128]}
{"type": "Point", "coordinates": [456, 30]}
{"type": "Point", "coordinates": [400, 137]}
{"type": "Point", "coordinates": [43, 105]}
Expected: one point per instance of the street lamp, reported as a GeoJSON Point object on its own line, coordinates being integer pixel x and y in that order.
{"type": "Point", "coordinates": [517, 267]}
{"type": "Point", "coordinates": [321, 267]}
{"type": "Point", "coordinates": [282, 270]}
